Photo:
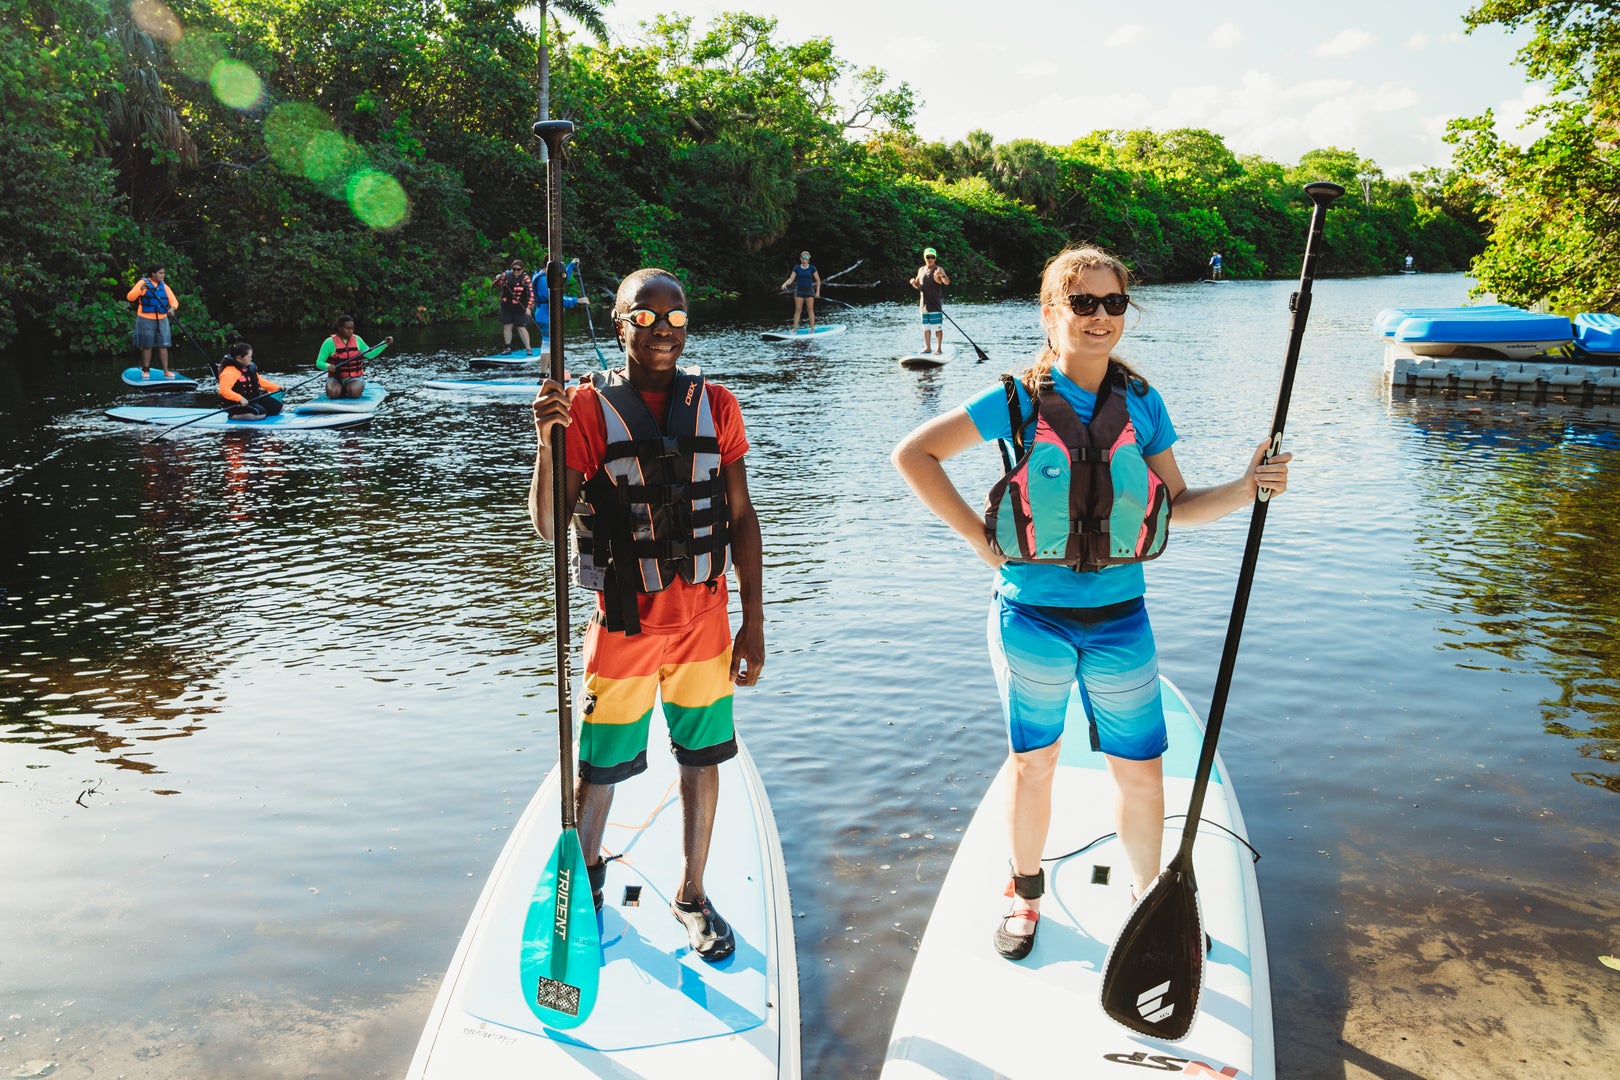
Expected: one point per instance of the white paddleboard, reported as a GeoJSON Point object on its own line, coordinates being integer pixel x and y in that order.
{"type": "Point", "coordinates": [919, 360]}
{"type": "Point", "coordinates": [967, 1012]}
{"type": "Point", "coordinates": [369, 399]}
{"type": "Point", "coordinates": [826, 330]}
{"type": "Point", "coordinates": [660, 1010]}
{"type": "Point", "coordinates": [518, 360]}
{"type": "Point", "coordinates": [213, 420]}
{"type": "Point", "coordinates": [156, 380]}
{"type": "Point", "coordinates": [523, 388]}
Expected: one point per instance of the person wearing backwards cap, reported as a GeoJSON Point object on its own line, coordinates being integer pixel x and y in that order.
{"type": "Point", "coordinates": [930, 277]}
{"type": "Point", "coordinates": [806, 282]}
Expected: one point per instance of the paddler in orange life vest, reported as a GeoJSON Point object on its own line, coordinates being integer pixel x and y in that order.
{"type": "Point", "coordinates": [243, 388]}
{"type": "Point", "coordinates": [155, 303]}
{"type": "Point", "coordinates": [517, 303]}
{"type": "Point", "coordinates": [1087, 500]}
{"type": "Point", "coordinates": [342, 357]}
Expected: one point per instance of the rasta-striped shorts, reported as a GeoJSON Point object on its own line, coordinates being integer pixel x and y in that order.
{"type": "Point", "coordinates": [625, 677]}
{"type": "Point", "coordinates": [1041, 653]}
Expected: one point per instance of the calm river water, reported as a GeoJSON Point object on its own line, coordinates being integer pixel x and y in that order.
{"type": "Point", "coordinates": [269, 705]}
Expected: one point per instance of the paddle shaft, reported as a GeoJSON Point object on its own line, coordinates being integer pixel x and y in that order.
{"type": "Point", "coordinates": [1322, 196]}
{"type": "Point", "coordinates": [187, 334]}
{"type": "Point", "coordinates": [959, 330]}
{"type": "Point", "coordinates": [554, 133]}
{"type": "Point", "coordinates": [579, 275]}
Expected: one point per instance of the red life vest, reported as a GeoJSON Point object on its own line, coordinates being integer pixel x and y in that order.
{"type": "Point", "coordinates": [346, 361]}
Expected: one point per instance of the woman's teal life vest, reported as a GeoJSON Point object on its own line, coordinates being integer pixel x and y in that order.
{"type": "Point", "coordinates": [656, 509]}
{"type": "Point", "coordinates": [1074, 493]}
{"type": "Point", "coordinates": [155, 300]}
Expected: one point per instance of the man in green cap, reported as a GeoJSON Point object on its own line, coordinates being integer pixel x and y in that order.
{"type": "Point", "coordinates": [930, 278]}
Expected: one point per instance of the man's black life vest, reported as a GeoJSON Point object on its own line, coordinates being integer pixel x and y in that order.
{"type": "Point", "coordinates": [514, 288]}
{"type": "Point", "coordinates": [656, 509]}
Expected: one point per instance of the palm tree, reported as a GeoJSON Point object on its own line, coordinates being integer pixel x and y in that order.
{"type": "Point", "coordinates": [588, 13]}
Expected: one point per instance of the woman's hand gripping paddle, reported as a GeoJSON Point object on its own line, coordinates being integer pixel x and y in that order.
{"type": "Point", "coordinates": [1155, 971]}
{"type": "Point", "coordinates": [561, 956]}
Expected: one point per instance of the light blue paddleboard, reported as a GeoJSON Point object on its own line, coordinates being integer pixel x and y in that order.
{"type": "Point", "coordinates": [535, 357]}
{"type": "Point", "coordinates": [968, 1012]}
{"type": "Point", "coordinates": [660, 1010]}
{"type": "Point", "coordinates": [519, 388]}
{"type": "Point", "coordinates": [826, 330]}
{"type": "Point", "coordinates": [369, 399]}
{"type": "Point", "coordinates": [212, 420]}
{"type": "Point", "coordinates": [155, 381]}
{"type": "Point", "coordinates": [931, 359]}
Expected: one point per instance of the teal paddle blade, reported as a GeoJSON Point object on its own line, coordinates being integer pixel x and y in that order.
{"type": "Point", "coordinates": [561, 958]}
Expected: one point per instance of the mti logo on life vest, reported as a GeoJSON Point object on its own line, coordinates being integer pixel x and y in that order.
{"type": "Point", "coordinates": [1051, 472]}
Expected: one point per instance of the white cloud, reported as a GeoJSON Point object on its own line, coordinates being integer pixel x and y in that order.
{"type": "Point", "coordinates": [1344, 43]}
{"type": "Point", "coordinates": [1128, 34]}
{"type": "Point", "coordinates": [1514, 112]}
{"type": "Point", "coordinates": [1226, 36]}
{"type": "Point", "coordinates": [911, 48]}
{"type": "Point", "coordinates": [1417, 42]}
{"type": "Point", "coordinates": [1039, 69]}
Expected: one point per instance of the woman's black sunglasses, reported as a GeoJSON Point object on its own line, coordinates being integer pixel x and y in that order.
{"type": "Point", "coordinates": [1086, 304]}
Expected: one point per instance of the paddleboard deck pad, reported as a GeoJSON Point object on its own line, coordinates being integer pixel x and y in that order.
{"type": "Point", "coordinates": [919, 360]}
{"type": "Point", "coordinates": [371, 397]}
{"type": "Point", "coordinates": [968, 1012]}
{"type": "Point", "coordinates": [804, 334]}
{"type": "Point", "coordinates": [660, 1010]}
{"type": "Point", "coordinates": [156, 380]}
{"type": "Point", "coordinates": [200, 420]}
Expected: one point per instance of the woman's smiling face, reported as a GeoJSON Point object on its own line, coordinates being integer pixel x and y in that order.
{"type": "Point", "coordinates": [1085, 337]}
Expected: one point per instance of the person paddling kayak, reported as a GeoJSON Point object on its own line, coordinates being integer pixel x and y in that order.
{"type": "Point", "coordinates": [1072, 610]}
{"type": "Point", "coordinates": [343, 358]}
{"type": "Point", "coordinates": [661, 629]}
{"type": "Point", "coordinates": [243, 388]}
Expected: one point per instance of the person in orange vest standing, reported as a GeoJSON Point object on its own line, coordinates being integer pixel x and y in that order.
{"type": "Point", "coordinates": [155, 302]}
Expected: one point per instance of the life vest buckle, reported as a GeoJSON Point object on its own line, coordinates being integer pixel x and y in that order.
{"type": "Point", "coordinates": [668, 446]}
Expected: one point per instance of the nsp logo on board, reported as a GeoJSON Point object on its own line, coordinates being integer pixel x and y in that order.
{"type": "Point", "coordinates": [1165, 1063]}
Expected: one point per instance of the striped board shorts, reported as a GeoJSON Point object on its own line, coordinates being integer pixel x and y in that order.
{"type": "Point", "coordinates": [933, 318]}
{"type": "Point", "coordinates": [625, 676]}
{"type": "Point", "coordinates": [1041, 653]}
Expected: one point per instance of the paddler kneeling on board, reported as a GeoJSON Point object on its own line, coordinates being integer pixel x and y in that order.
{"type": "Point", "coordinates": [654, 544]}
{"type": "Point", "coordinates": [343, 358]}
{"type": "Point", "coordinates": [1068, 603]}
{"type": "Point", "coordinates": [243, 388]}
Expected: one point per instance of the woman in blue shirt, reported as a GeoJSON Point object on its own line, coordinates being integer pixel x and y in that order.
{"type": "Point", "coordinates": [1051, 625]}
{"type": "Point", "coordinates": [806, 282]}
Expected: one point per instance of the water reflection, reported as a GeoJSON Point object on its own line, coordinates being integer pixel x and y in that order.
{"type": "Point", "coordinates": [1516, 510]}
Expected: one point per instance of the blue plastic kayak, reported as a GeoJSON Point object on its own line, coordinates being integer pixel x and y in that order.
{"type": "Point", "coordinates": [1387, 321]}
{"type": "Point", "coordinates": [1596, 332]}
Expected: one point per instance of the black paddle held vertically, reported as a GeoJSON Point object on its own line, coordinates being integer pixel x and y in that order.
{"type": "Point", "coordinates": [1155, 971]}
{"type": "Point", "coordinates": [560, 958]}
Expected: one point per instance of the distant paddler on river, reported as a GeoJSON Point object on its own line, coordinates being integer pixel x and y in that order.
{"type": "Point", "coordinates": [928, 281]}
{"type": "Point", "coordinates": [343, 357]}
{"type": "Point", "coordinates": [542, 298]}
{"type": "Point", "coordinates": [806, 282]}
{"type": "Point", "coordinates": [155, 302]}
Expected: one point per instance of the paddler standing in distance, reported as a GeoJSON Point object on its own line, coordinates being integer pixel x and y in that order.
{"type": "Point", "coordinates": [661, 626]}
{"type": "Point", "coordinates": [516, 292]}
{"type": "Point", "coordinates": [154, 303]}
{"type": "Point", "coordinates": [929, 278]}
{"type": "Point", "coordinates": [542, 299]}
{"type": "Point", "coordinates": [806, 282]}
{"type": "Point", "coordinates": [342, 357]}
{"type": "Point", "coordinates": [1078, 617]}
{"type": "Point", "coordinates": [1215, 273]}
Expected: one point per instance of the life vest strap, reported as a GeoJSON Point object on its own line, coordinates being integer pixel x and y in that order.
{"type": "Point", "coordinates": [665, 446]}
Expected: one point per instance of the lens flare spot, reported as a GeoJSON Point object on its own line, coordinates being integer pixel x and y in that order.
{"type": "Point", "coordinates": [377, 199]}
{"type": "Point", "coordinates": [236, 84]}
{"type": "Point", "coordinates": [154, 17]}
{"type": "Point", "coordinates": [327, 155]}
{"type": "Point", "coordinates": [289, 132]}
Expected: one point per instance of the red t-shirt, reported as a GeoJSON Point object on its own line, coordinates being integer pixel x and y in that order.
{"type": "Point", "coordinates": [673, 609]}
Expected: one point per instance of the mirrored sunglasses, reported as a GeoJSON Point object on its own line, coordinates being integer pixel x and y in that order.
{"type": "Point", "coordinates": [1086, 304]}
{"type": "Point", "coordinates": [644, 318]}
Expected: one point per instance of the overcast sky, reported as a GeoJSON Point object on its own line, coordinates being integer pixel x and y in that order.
{"type": "Point", "coordinates": [1381, 77]}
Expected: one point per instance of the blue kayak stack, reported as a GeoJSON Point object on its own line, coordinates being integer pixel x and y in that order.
{"type": "Point", "coordinates": [1495, 346]}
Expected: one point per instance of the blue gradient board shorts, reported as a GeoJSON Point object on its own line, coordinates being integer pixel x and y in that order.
{"type": "Point", "coordinates": [933, 318]}
{"type": "Point", "coordinates": [1039, 653]}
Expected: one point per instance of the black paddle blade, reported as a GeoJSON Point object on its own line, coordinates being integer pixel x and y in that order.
{"type": "Point", "coordinates": [1155, 971]}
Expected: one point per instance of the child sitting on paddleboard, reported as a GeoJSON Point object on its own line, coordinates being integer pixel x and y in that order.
{"type": "Point", "coordinates": [343, 357]}
{"type": "Point", "coordinates": [661, 625]}
{"type": "Point", "coordinates": [1068, 600]}
{"type": "Point", "coordinates": [242, 387]}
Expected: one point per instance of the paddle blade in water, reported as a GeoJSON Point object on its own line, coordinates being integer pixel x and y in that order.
{"type": "Point", "coordinates": [1155, 970]}
{"type": "Point", "coordinates": [562, 951]}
